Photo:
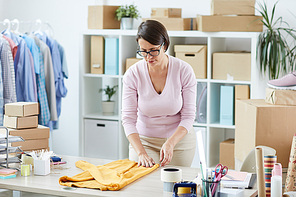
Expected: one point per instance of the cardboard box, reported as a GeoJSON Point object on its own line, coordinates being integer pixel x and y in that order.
{"type": "Point", "coordinates": [40, 132]}
{"type": "Point", "coordinates": [234, 65]}
{"type": "Point", "coordinates": [226, 105]}
{"type": "Point", "coordinates": [260, 123]}
{"type": "Point", "coordinates": [233, 7]}
{"type": "Point", "coordinates": [21, 109]}
{"type": "Point", "coordinates": [20, 122]}
{"type": "Point", "coordinates": [280, 97]}
{"type": "Point", "coordinates": [32, 144]}
{"type": "Point", "coordinates": [131, 61]}
{"type": "Point", "coordinates": [102, 17]}
{"type": "Point", "coordinates": [176, 24]}
{"type": "Point", "coordinates": [97, 55]}
{"type": "Point", "coordinates": [196, 56]}
{"type": "Point", "coordinates": [241, 92]}
{"type": "Point", "coordinates": [166, 12]}
{"type": "Point", "coordinates": [229, 23]}
{"type": "Point", "coordinates": [227, 153]}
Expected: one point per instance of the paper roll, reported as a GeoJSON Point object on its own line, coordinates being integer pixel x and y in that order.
{"type": "Point", "coordinates": [269, 161]}
{"type": "Point", "coordinates": [260, 172]}
{"type": "Point", "coordinates": [290, 180]}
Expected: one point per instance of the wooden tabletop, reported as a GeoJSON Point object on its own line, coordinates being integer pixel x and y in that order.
{"type": "Point", "coordinates": [147, 186]}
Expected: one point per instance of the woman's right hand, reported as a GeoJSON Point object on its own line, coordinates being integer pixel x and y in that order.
{"type": "Point", "coordinates": [145, 160]}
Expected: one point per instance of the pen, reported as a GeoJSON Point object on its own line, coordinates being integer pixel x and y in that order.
{"type": "Point", "coordinates": [203, 183]}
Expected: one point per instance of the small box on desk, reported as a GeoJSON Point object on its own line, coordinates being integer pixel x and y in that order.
{"type": "Point", "coordinates": [20, 122]}
{"type": "Point", "coordinates": [40, 132]}
{"type": "Point", "coordinates": [21, 109]}
{"type": "Point", "coordinates": [30, 145]}
{"type": "Point", "coordinates": [226, 105]}
{"type": "Point", "coordinates": [229, 23]}
{"type": "Point", "coordinates": [176, 24]}
{"type": "Point", "coordinates": [236, 64]}
{"type": "Point", "coordinates": [166, 12]}
{"type": "Point", "coordinates": [227, 153]}
{"type": "Point", "coordinates": [111, 56]}
{"type": "Point", "coordinates": [280, 97]}
{"type": "Point", "coordinates": [97, 55]}
{"type": "Point", "coordinates": [196, 56]}
{"type": "Point", "coordinates": [233, 7]}
{"type": "Point", "coordinates": [260, 123]}
{"type": "Point", "coordinates": [102, 17]}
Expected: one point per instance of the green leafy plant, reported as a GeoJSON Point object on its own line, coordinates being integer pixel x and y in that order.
{"type": "Point", "coordinates": [273, 51]}
{"type": "Point", "coordinates": [109, 91]}
{"type": "Point", "coordinates": [127, 11]}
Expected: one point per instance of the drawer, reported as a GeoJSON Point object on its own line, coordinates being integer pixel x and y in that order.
{"type": "Point", "coordinates": [101, 139]}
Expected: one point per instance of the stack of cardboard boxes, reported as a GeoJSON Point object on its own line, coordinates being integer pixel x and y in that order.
{"type": "Point", "coordinates": [172, 19]}
{"type": "Point", "coordinates": [270, 122]}
{"type": "Point", "coordinates": [231, 15]}
{"type": "Point", "coordinates": [21, 119]}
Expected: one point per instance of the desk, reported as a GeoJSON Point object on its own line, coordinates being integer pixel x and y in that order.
{"type": "Point", "coordinates": [147, 186]}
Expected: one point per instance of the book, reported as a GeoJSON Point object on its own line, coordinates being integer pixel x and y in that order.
{"type": "Point", "coordinates": [237, 179]}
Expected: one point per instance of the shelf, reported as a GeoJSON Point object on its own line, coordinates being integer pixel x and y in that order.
{"type": "Point", "coordinates": [99, 115]}
{"type": "Point", "coordinates": [230, 82]}
{"type": "Point", "coordinates": [217, 125]}
{"type": "Point", "coordinates": [101, 75]}
{"type": "Point", "coordinates": [118, 32]}
{"type": "Point", "coordinates": [196, 124]}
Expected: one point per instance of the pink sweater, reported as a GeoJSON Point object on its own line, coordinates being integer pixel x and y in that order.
{"type": "Point", "coordinates": [148, 113]}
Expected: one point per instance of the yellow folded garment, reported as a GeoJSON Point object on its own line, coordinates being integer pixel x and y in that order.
{"type": "Point", "coordinates": [112, 176]}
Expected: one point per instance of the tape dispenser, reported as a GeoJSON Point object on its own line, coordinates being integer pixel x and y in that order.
{"type": "Point", "coordinates": [184, 189]}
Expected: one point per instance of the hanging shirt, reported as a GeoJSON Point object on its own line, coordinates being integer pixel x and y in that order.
{"type": "Point", "coordinates": [63, 61]}
{"type": "Point", "coordinates": [61, 90]}
{"type": "Point", "coordinates": [24, 78]}
{"type": "Point", "coordinates": [49, 77]}
{"type": "Point", "coordinates": [9, 94]}
{"type": "Point", "coordinates": [34, 51]}
{"type": "Point", "coordinates": [12, 46]}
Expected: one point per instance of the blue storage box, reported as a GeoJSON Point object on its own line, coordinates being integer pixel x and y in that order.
{"type": "Point", "coordinates": [111, 56]}
{"type": "Point", "coordinates": [226, 105]}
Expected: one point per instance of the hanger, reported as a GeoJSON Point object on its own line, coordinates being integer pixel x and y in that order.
{"type": "Point", "coordinates": [7, 21]}
{"type": "Point", "coordinates": [16, 31]}
{"type": "Point", "coordinates": [50, 29]}
{"type": "Point", "coordinates": [38, 22]}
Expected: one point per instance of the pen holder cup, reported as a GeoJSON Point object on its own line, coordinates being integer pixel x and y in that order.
{"type": "Point", "coordinates": [41, 167]}
{"type": "Point", "coordinates": [210, 188]}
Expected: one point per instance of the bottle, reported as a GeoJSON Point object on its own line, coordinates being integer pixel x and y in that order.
{"type": "Point", "coordinates": [276, 180]}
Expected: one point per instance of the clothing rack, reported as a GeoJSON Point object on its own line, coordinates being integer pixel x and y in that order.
{"type": "Point", "coordinates": [37, 22]}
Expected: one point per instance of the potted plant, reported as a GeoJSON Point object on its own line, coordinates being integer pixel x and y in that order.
{"type": "Point", "coordinates": [273, 51]}
{"type": "Point", "coordinates": [127, 14]}
{"type": "Point", "coordinates": [108, 106]}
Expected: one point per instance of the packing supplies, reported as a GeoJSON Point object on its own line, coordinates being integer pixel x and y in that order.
{"type": "Point", "coordinates": [102, 17]}
{"type": "Point", "coordinates": [280, 97]}
{"type": "Point", "coordinates": [21, 109]}
{"type": "Point", "coordinates": [20, 122]}
{"type": "Point", "coordinates": [233, 7]}
{"type": "Point", "coordinates": [166, 12]}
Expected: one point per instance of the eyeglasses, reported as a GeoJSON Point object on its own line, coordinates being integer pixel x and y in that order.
{"type": "Point", "coordinates": [152, 52]}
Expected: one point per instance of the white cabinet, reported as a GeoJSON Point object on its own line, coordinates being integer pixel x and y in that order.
{"type": "Point", "coordinates": [90, 99]}
{"type": "Point", "coordinates": [101, 139]}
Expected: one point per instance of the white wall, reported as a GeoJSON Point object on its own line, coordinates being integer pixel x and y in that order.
{"type": "Point", "coordinates": [68, 19]}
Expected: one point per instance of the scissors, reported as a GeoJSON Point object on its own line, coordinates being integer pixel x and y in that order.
{"type": "Point", "coordinates": [220, 171]}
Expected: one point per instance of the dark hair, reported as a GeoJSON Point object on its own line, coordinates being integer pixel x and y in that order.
{"type": "Point", "coordinates": [153, 32]}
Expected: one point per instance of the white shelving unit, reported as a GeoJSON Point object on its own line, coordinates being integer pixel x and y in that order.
{"type": "Point", "coordinates": [90, 99]}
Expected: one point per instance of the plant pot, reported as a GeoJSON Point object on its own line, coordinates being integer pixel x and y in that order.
{"type": "Point", "coordinates": [108, 107]}
{"type": "Point", "coordinates": [127, 23]}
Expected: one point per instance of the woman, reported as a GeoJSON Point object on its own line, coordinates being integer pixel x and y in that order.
{"type": "Point", "coordinates": [158, 103]}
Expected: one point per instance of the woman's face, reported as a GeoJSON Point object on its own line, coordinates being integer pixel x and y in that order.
{"type": "Point", "coordinates": [152, 60]}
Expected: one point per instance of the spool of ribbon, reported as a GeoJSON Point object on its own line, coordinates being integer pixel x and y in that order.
{"type": "Point", "coordinates": [269, 161]}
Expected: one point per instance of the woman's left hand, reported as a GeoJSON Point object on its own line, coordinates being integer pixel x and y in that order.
{"type": "Point", "coordinates": [166, 153]}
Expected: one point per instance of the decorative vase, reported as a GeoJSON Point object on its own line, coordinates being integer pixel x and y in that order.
{"type": "Point", "coordinates": [108, 107]}
{"type": "Point", "coordinates": [127, 23]}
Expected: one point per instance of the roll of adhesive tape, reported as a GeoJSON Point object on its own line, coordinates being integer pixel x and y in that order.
{"type": "Point", "coordinates": [169, 176]}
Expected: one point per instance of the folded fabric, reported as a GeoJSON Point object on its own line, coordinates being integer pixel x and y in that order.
{"type": "Point", "coordinates": [112, 176]}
